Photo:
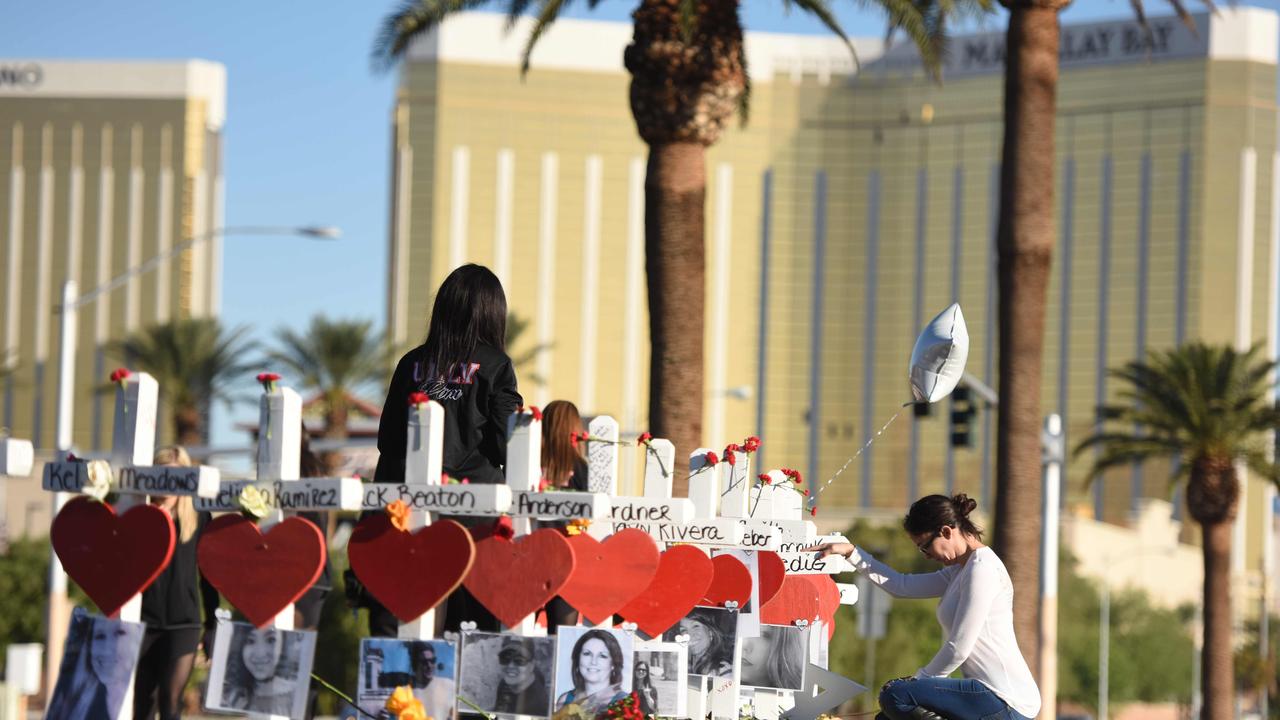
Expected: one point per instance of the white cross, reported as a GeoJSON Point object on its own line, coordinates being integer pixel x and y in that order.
{"type": "Point", "coordinates": [424, 494]}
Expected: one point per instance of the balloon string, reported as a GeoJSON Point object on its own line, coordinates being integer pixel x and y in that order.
{"type": "Point", "coordinates": [814, 500]}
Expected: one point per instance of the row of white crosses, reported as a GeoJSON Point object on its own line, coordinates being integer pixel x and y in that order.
{"type": "Point", "coordinates": [769, 520]}
{"type": "Point", "coordinates": [277, 466]}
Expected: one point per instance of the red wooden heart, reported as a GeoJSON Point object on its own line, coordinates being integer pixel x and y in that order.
{"type": "Point", "coordinates": [684, 574]}
{"type": "Point", "coordinates": [731, 580]}
{"type": "Point", "coordinates": [797, 599]}
{"type": "Point", "coordinates": [772, 570]}
{"type": "Point", "coordinates": [260, 574]}
{"type": "Point", "coordinates": [609, 574]}
{"type": "Point", "coordinates": [112, 557]}
{"type": "Point", "coordinates": [410, 573]}
{"type": "Point", "coordinates": [513, 578]}
{"type": "Point", "coordinates": [828, 600]}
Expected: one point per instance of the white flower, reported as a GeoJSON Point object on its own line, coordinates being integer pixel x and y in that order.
{"type": "Point", "coordinates": [254, 502]}
{"type": "Point", "coordinates": [99, 480]}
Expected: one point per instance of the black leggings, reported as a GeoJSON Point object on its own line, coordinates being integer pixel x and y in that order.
{"type": "Point", "coordinates": [164, 666]}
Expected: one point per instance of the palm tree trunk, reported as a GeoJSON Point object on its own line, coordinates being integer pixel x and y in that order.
{"type": "Point", "coordinates": [1217, 675]}
{"type": "Point", "coordinates": [188, 426]}
{"type": "Point", "coordinates": [675, 259]}
{"type": "Point", "coordinates": [1025, 244]}
{"type": "Point", "coordinates": [335, 427]}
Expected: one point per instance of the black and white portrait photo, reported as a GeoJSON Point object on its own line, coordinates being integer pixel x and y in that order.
{"type": "Point", "coordinates": [658, 678]}
{"type": "Point", "coordinates": [505, 674]}
{"type": "Point", "coordinates": [593, 667]}
{"type": "Point", "coordinates": [712, 634]}
{"type": "Point", "coordinates": [426, 666]}
{"type": "Point", "coordinates": [98, 662]}
{"type": "Point", "coordinates": [776, 659]}
{"type": "Point", "coordinates": [265, 670]}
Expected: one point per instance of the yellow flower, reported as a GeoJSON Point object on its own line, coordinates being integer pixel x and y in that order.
{"type": "Point", "coordinates": [577, 526]}
{"type": "Point", "coordinates": [571, 711]}
{"type": "Point", "coordinates": [399, 514]}
{"type": "Point", "coordinates": [414, 712]}
{"type": "Point", "coordinates": [98, 483]}
{"type": "Point", "coordinates": [255, 502]}
{"type": "Point", "coordinates": [401, 699]}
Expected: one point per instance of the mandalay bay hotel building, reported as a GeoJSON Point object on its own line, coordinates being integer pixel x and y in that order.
{"type": "Point", "coordinates": [104, 165]}
{"type": "Point", "coordinates": [851, 208]}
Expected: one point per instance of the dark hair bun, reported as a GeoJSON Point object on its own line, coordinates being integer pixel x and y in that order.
{"type": "Point", "coordinates": [963, 504]}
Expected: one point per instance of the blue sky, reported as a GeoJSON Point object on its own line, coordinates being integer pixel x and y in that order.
{"type": "Point", "coordinates": [307, 131]}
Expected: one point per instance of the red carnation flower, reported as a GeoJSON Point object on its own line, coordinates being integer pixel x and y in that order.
{"type": "Point", "coordinates": [711, 458]}
{"type": "Point", "coordinates": [751, 444]}
{"type": "Point", "coordinates": [268, 377]}
{"type": "Point", "coordinates": [764, 478]}
{"type": "Point", "coordinates": [419, 398]}
{"type": "Point", "coordinates": [503, 528]}
{"type": "Point", "coordinates": [813, 510]}
{"type": "Point", "coordinates": [119, 375]}
{"type": "Point", "coordinates": [644, 438]}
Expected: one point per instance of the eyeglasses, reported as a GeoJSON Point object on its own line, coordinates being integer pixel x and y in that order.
{"type": "Point", "coordinates": [518, 660]}
{"type": "Point", "coordinates": [923, 547]}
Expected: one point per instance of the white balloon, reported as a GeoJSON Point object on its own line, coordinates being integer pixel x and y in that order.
{"type": "Point", "coordinates": [937, 362]}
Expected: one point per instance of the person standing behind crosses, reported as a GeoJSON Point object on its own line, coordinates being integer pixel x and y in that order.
{"type": "Point", "coordinates": [171, 609]}
{"type": "Point", "coordinates": [976, 614]}
{"type": "Point", "coordinates": [563, 468]}
{"type": "Point", "coordinates": [464, 366]}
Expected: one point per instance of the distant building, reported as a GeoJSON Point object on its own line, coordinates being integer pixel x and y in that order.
{"type": "Point", "coordinates": [851, 208]}
{"type": "Point", "coordinates": [104, 165]}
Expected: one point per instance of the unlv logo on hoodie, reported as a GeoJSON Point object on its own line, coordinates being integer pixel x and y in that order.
{"type": "Point", "coordinates": [443, 388]}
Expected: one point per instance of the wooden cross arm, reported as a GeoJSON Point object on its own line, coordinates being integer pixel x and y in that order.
{"type": "Point", "coordinates": [304, 494]}
{"type": "Point", "coordinates": [482, 500]}
{"type": "Point", "coordinates": [200, 481]}
{"type": "Point", "coordinates": [16, 457]}
{"type": "Point", "coordinates": [652, 510]}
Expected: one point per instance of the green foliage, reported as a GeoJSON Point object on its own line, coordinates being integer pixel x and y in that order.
{"type": "Point", "coordinates": [334, 357]}
{"type": "Point", "coordinates": [338, 643]}
{"type": "Point", "coordinates": [1151, 647]}
{"type": "Point", "coordinates": [1196, 402]}
{"type": "Point", "coordinates": [195, 361]}
{"type": "Point", "coordinates": [24, 596]}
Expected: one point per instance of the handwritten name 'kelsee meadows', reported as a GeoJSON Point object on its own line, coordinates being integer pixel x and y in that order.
{"type": "Point", "coordinates": [158, 480]}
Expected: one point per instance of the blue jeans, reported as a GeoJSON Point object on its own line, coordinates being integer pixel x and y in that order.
{"type": "Point", "coordinates": [952, 699]}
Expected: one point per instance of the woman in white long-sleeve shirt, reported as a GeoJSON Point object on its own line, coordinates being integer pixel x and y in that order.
{"type": "Point", "coordinates": [976, 613]}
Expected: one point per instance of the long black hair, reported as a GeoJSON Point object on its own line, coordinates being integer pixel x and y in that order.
{"type": "Point", "coordinates": [470, 310]}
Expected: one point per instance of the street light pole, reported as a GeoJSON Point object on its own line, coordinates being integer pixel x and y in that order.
{"type": "Point", "coordinates": [1053, 456]}
{"type": "Point", "coordinates": [69, 309]}
{"type": "Point", "coordinates": [1104, 632]}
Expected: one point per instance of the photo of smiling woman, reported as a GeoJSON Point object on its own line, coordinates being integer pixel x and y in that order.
{"type": "Point", "coordinates": [776, 658]}
{"type": "Point", "coordinates": [712, 633]}
{"type": "Point", "coordinates": [593, 668]}
{"type": "Point", "coordinates": [260, 670]}
{"type": "Point", "coordinates": [504, 674]}
{"type": "Point", "coordinates": [97, 668]}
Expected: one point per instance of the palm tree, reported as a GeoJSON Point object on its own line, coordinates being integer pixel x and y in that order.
{"type": "Point", "coordinates": [1209, 407]}
{"type": "Point", "coordinates": [688, 71]}
{"type": "Point", "coordinates": [194, 361]}
{"type": "Point", "coordinates": [1025, 239]}
{"type": "Point", "coordinates": [334, 358]}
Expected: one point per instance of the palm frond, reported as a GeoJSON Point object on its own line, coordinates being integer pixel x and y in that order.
{"type": "Point", "coordinates": [822, 10]}
{"type": "Point", "coordinates": [409, 20]}
{"type": "Point", "coordinates": [546, 16]}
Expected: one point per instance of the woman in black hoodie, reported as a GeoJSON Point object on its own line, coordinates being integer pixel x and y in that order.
{"type": "Point", "coordinates": [463, 365]}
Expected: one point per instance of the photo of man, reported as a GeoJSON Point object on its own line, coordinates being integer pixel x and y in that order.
{"type": "Point", "coordinates": [505, 674]}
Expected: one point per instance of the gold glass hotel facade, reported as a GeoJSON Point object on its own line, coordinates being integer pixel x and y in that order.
{"type": "Point", "coordinates": [104, 165]}
{"type": "Point", "coordinates": [849, 210]}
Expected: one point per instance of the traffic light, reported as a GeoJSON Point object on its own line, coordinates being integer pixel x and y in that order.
{"type": "Point", "coordinates": [962, 412]}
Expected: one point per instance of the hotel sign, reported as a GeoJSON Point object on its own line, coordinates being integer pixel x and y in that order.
{"type": "Point", "coordinates": [23, 76]}
{"type": "Point", "coordinates": [1080, 46]}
